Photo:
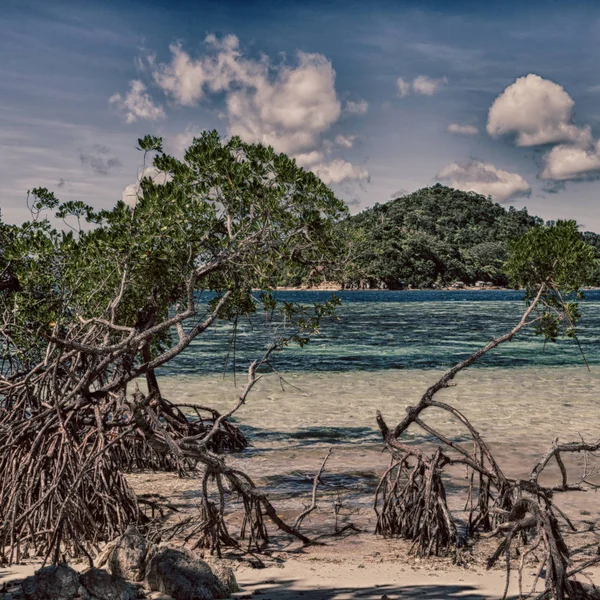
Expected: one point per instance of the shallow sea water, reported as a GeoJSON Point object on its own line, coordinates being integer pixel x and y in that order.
{"type": "Point", "coordinates": [382, 354]}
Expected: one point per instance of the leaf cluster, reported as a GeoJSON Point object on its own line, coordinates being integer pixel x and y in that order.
{"type": "Point", "coordinates": [553, 262]}
{"type": "Point", "coordinates": [229, 217]}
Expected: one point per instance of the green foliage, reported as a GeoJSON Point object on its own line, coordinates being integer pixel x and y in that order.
{"type": "Point", "coordinates": [553, 263]}
{"type": "Point", "coordinates": [436, 235]}
{"type": "Point", "coordinates": [150, 143]}
{"type": "Point", "coordinates": [230, 218]}
{"type": "Point", "coordinates": [554, 255]}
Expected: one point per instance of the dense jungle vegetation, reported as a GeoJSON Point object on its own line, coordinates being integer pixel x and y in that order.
{"type": "Point", "coordinates": [434, 237]}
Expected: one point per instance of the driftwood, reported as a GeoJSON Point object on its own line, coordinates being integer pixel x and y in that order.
{"type": "Point", "coordinates": [313, 503]}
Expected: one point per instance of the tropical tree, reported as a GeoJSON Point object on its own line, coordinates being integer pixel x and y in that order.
{"type": "Point", "coordinates": [93, 307]}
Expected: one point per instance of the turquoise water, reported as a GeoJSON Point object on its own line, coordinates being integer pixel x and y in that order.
{"type": "Point", "coordinates": [383, 353]}
{"type": "Point", "coordinates": [397, 330]}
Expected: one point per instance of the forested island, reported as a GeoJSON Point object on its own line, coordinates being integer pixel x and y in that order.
{"type": "Point", "coordinates": [435, 237]}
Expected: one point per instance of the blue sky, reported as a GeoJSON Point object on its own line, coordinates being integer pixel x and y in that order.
{"type": "Point", "coordinates": [377, 98]}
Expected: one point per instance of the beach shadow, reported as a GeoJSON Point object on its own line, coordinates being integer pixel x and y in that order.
{"type": "Point", "coordinates": [288, 590]}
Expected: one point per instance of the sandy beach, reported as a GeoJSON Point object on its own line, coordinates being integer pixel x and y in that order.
{"type": "Point", "coordinates": [360, 566]}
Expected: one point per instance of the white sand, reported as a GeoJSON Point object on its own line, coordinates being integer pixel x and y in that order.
{"type": "Point", "coordinates": [360, 566]}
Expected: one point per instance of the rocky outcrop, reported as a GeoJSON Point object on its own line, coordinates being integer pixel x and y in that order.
{"type": "Point", "coordinates": [174, 573]}
{"type": "Point", "coordinates": [61, 582]}
{"type": "Point", "coordinates": [168, 573]}
{"type": "Point", "coordinates": [51, 583]}
{"type": "Point", "coordinates": [102, 585]}
{"type": "Point", "coordinates": [225, 574]}
{"type": "Point", "coordinates": [180, 575]}
{"type": "Point", "coordinates": [128, 559]}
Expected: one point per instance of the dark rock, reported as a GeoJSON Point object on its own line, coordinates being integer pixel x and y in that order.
{"type": "Point", "coordinates": [54, 583]}
{"type": "Point", "coordinates": [128, 559]}
{"type": "Point", "coordinates": [61, 582]}
{"type": "Point", "coordinates": [101, 585]}
{"type": "Point", "coordinates": [225, 575]}
{"type": "Point", "coordinates": [179, 574]}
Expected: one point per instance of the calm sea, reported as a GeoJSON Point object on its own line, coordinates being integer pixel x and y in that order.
{"type": "Point", "coordinates": [382, 353]}
{"type": "Point", "coordinates": [397, 330]}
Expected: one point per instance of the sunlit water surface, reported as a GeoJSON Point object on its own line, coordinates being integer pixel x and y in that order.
{"type": "Point", "coordinates": [384, 351]}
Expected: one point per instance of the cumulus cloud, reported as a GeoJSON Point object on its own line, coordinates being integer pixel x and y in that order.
{"type": "Point", "coordinates": [291, 112]}
{"type": "Point", "coordinates": [187, 79]}
{"type": "Point", "coordinates": [308, 159]}
{"type": "Point", "coordinates": [486, 179]}
{"type": "Point", "coordinates": [567, 161]}
{"type": "Point", "coordinates": [459, 129]}
{"type": "Point", "coordinates": [540, 112]}
{"type": "Point", "coordinates": [137, 104]}
{"type": "Point", "coordinates": [339, 170]}
{"type": "Point", "coordinates": [98, 159]}
{"type": "Point", "coordinates": [346, 141]}
{"type": "Point", "coordinates": [285, 106]}
{"type": "Point", "coordinates": [133, 191]}
{"type": "Point", "coordinates": [422, 84]}
{"type": "Point", "coordinates": [536, 111]}
{"type": "Point", "coordinates": [356, 108]}
{"type": "Point", "coordinates": [403, 87]}
{"type": "Point", "coordinates": [177, 144]}
{"type": "Point", "coordinates": [288, 111]}
{"type": "Point", "coordinates": [426, 85]}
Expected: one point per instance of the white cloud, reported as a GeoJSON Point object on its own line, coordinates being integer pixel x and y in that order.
{"type": "Point", "coordinates": [346, 141]}
{"type": "Point", "coordinates": [422, 84]}
{"type": "Point", "coordinates": [537, 111]}
{"type": "Point", "coordinates": [356, 108]}
{"type": "Point", "coordinates": [338, 170]}
{"type": "Point", "coordinates": [486, 179]}
{"type": "Point", "coordinates": [459, 129]}
{"type": "Point", "coordinates": [187, 79]}
{"type": "Point", "coordinates": [427, 86]}
{"type": "Point", "coordinates": [288, 111]}
{"type": "Point", "coordinates": [291, 112]}
{"type": "Point", "coordinates": [132, 192]}
{"type": "Point", "coordinates": [403, 87]}
{"type": "Point", "coordinates": [179, 143]}
{"type": "Point", "coordinates": [308, 159]}
{"type": "Point", "coordinates": [567, 161]}
{"type": "Point", "coordinates": [137, 104]}
{"type": "Point", "coordinates": [182, 78]}
{"type": "Point", "coordinates": [285, 106]}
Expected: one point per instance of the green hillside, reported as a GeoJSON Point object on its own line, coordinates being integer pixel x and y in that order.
{"type": "Point", "coordinates": [434, 237]}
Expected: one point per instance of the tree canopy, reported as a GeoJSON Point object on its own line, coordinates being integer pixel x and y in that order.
{"type": "Point", "coordinates": [109, 297]}
{"type": "Point", "coordinates": [227, 218]}
{"type": "Point", "coordinates": [434, 236]}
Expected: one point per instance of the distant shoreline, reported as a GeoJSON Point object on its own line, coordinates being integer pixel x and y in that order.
{"type": "Point", "coordinates": [470, 288]}
{"type": "Point", "coordinates": [441, 289]}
